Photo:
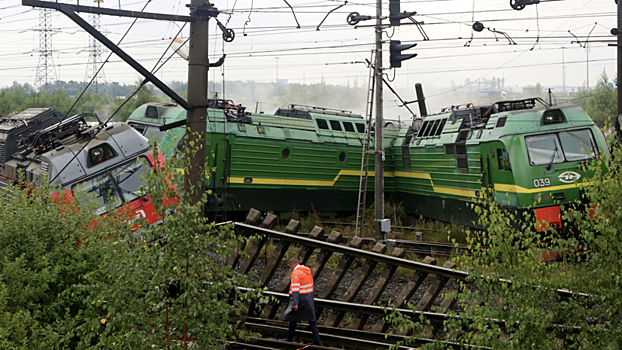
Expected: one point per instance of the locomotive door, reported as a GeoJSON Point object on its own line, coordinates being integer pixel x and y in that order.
{"type": "Point", "coordinates": [486, 169]}
{"type": "Point", "coordinates": [219, 162]}
{"type": "Point", "coordinates": [218, 169]}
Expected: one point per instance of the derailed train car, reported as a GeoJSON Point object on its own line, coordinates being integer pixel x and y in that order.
{"type": "Point", "coordinates": [307, 159]}
{"type": "Point", "coordinates": [104, 160]}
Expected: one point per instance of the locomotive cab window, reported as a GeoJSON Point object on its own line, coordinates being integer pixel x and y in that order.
{"type": "Point", "coordinates": [335, 125]}
{"type": "Point", "coordinates": [566, 146]}
{"type": "Point", "coordinates": [360, 127]}
{"type": "Point", "coordinates": [152, 112]}
{"type": "Point", "coordinates": [103, 190]}
{"type": "Point", "coordinates": [100, 154]}
{"type": "Point", "coordinates": [322, 124]}
{"type": "Point", "coordinates": [578, 145]}
{"type": "Point", "coordinates": [348, 126]}
{"type": "Point", "coordinates": [128, 178]}
{"type": "Point", "coordinates": [99, 190]}
{"type": "Point", "coordinates": [553, 116]}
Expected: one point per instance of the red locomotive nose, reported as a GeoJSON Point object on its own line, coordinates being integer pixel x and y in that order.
{"type": "Point", "coordinates": [548, 217]}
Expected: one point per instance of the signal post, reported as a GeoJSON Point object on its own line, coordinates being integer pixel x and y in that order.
{"type": "Point", "coordinates": [379, 160]}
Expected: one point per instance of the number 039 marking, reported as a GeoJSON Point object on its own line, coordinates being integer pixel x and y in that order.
{"type": "Point", "coordinates": [541, 182]}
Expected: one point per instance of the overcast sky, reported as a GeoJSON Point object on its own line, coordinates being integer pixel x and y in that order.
{"type": "Point", "coordinates": [267, 37]}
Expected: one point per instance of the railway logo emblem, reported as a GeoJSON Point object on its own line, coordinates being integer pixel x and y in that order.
{"type": "Point", "coordinates": [569, 177]}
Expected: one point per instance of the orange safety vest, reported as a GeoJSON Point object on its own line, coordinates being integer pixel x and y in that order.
{"type": "Point", "coordinates": [301, 281]}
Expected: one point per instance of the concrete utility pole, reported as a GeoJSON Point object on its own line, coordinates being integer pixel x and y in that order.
{"type": "Point", "coordinates": [379, 165]}
{"type": "Point", "coordinates": [196, 121]}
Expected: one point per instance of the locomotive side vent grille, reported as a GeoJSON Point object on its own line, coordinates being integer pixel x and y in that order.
{"type": "Point", "coordinates": [2, 153]}
{"type": "Point", "coordinates": [45, 167]}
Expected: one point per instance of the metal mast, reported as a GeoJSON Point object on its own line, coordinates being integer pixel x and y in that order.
{"type": "Point", "coordinates": [46, 72]}
{"type": "Point", "coordinates": [95, 53]}
{"type": "Point", "coordinates": [379, 164]}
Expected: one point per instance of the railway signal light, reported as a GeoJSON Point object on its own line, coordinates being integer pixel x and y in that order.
{"type": "Point", "coordinates": [394, 13]}
{"type": "Point", "coordinates": [396, 56]}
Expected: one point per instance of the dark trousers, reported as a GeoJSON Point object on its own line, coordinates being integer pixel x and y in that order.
{"type": "Point", "coordinates": [292, 330]}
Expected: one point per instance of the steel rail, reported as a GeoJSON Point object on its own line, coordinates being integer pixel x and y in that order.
{"type": "Point", "coordinates": [331, 339]}
{"type": "Point", "coordinates": [385, 259]}
{"type": "Point", "coordinates": [254, 322]}
{"type": "Point", "coordinates": [433, 317]}
{"type": "Point", "coordinates": [248, 346]}
{"type": "Point", "coordinates": [419, 247]}
{"type": "Point", "coordinates": [415, 316]}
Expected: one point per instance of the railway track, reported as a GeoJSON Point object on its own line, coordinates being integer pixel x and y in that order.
{"type": "Point", "coordinates": [349, 301]}
{"type": "Point", "coordinates": [424, 248]}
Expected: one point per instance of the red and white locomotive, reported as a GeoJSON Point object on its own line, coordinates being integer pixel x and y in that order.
{"type": "Point", "coordinates": [104, 160]}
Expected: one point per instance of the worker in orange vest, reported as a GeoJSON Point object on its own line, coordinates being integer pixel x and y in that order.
{"type": "Point", "coordinates": [301, 306]}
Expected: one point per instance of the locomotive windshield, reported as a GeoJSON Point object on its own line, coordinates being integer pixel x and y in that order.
{"type": "Point", "coordinates": [566, 146]}
{"type": "Point", "coordinates": [101, 190]}
{"type": "Point", "coordinates": [115, 187]}
{"type": "Point", "coordinates": [128, 178]}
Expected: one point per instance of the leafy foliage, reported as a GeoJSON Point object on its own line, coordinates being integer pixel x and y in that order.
{"type": "Point", "coordinates": [43, 256]}
{"type": "Point", "coordinates": [601, 102]}
{"type": "Point", "coordinates": [512, 299]}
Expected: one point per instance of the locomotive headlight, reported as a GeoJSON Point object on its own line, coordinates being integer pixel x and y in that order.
{"type": "Point", "coordinates": [507, 198]}
{"type": "Point", "coordinates": [541, 197]}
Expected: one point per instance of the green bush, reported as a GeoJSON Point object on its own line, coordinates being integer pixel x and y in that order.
{"type": "Point", "coordinates": [527, 312]}
{"type": "Point", "coordinates": [44, 254]}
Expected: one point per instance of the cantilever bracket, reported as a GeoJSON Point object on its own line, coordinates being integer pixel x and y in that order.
{"type": "Point", "coordinates": [512, 42]}
{"type": "Point", "coordinates": [331, 11]}
{"type": "Point", "coordinates": [219, 62]}
{"type": "Point", "coordinates": [419, 26]}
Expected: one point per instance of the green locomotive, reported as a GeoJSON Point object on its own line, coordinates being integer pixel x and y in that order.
{"type": "Point", "coordinates": [305, 159]}
{"type": "Point", "coordinates": [299, 159]}
{"type": "Point", "coordinates": [524, 153]}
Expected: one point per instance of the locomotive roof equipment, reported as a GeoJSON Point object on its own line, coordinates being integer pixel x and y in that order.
{"type": "Point", "coordinates": [105, 160]}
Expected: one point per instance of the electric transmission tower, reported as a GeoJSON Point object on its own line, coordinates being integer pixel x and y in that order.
{"type": "Point", "coordinates": [95, 54]}
{"type": "Point", "coordinates": [46, 72]}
